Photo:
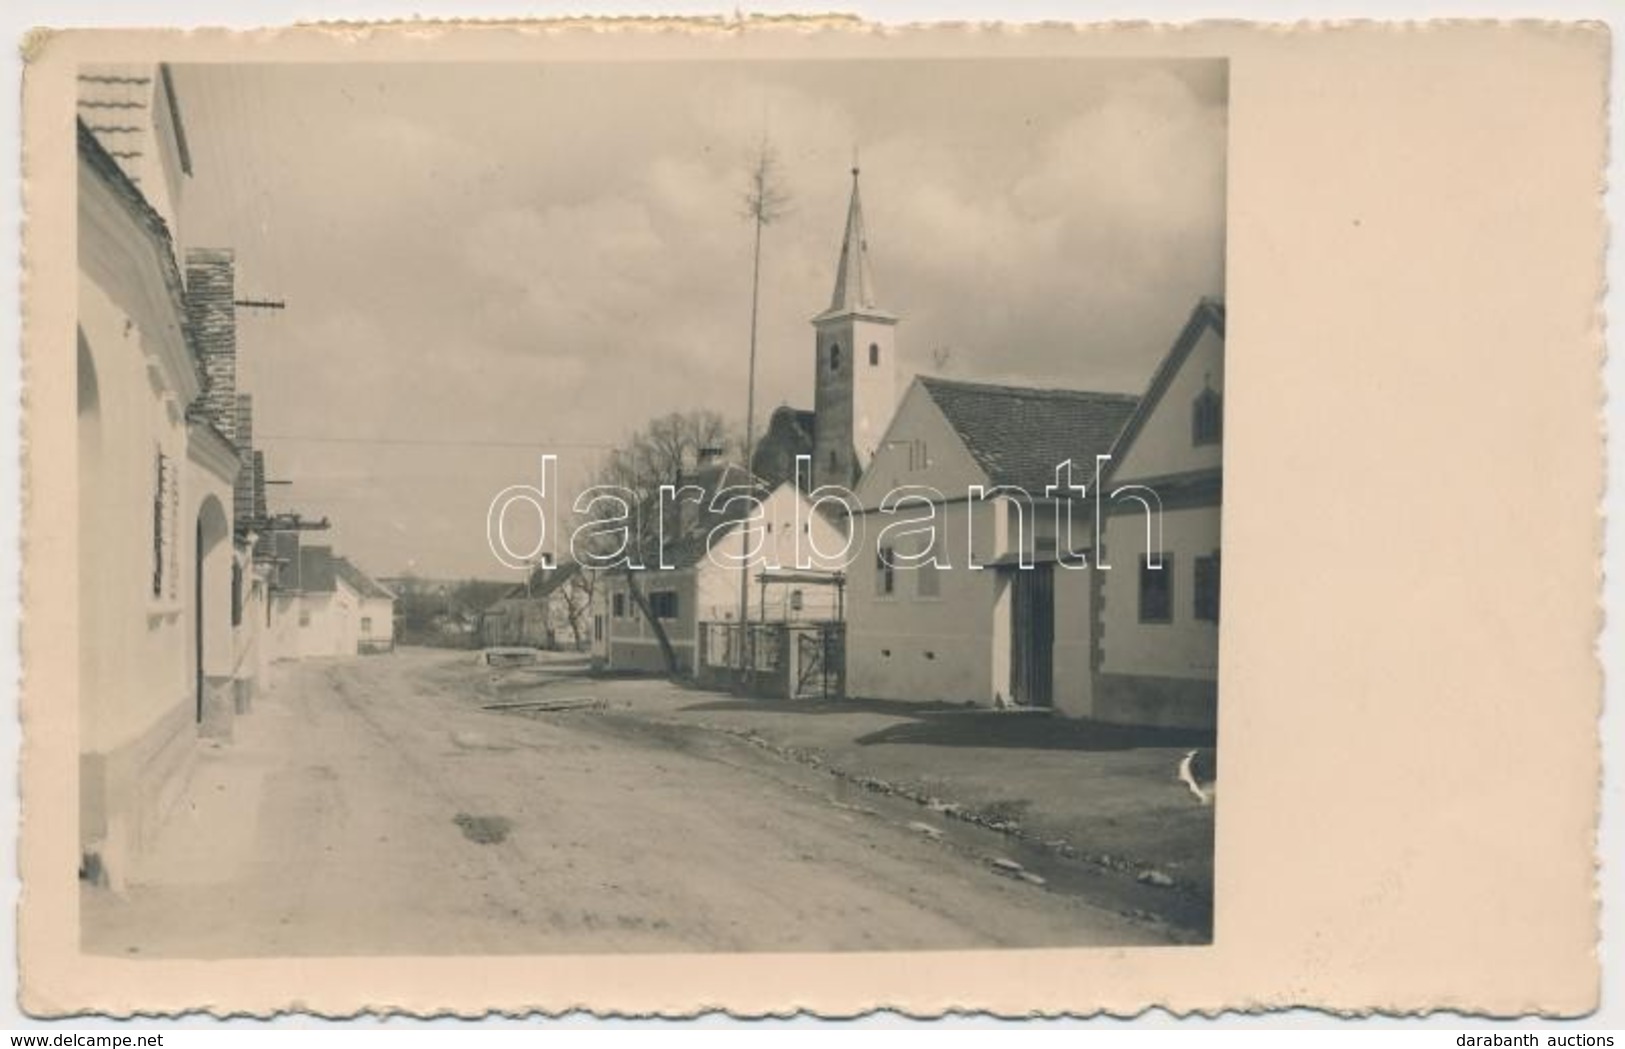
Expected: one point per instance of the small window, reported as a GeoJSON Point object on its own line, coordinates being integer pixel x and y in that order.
{"type": "Point", "coordinates": [834, 461]}
{"type": "Point", "coordinates": [598, 628]}
{"type": "Point", "coordinates": [1207, 418]}
{"type": "Point", "coordinates": [929, 582]}
{"type": "Point", "coordinates": [874, 353]}
{"type": "Point", "coordinates": [1156, 591]}
{"type": "Point", "coordinates": [885, 574]}
{"type": "Point", "coordinates": [795, 600]}
{"type": "Point", "coordinates": [834, 356]}
{"type": "Point", "coordinates": [163, 480]}
{"type": "Point", "coordinates": [1206, 587]}
{"type": "Point", "coordinates": [619, 606]}
{"type": "Point", "coordinates": [663, 603]}
{"type": "Point", "coordinates": [236, 593]}
{"type": "Point", "coordinates": [366, 625]}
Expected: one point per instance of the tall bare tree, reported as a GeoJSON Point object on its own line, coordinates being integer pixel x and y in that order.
{"type": "Point", "coordinates": [576, 593]}
{"type": "Point", "coordinates": [664, 452]}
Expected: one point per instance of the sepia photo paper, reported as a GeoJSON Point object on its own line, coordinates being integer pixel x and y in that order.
{"type": "Point", "coordinates": [780, 516]}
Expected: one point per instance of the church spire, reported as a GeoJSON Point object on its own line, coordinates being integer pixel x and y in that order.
{"type": "Point", "coordinates": [854, 286]}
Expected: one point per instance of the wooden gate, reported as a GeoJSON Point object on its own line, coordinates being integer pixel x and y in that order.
{"type": "Point", "coordinates": [1032, 636]}
{"type": "Point", "coordinates": [818, 661]}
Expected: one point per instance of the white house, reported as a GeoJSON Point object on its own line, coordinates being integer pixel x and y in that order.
{"type": "Point", "coordinates": [375, 608]}
{"type": "Point", "coordinates": [1159, 654]}
{"type": "Point", "coordinates": [989, 614]}
{"type": "Point", "coordinates": [703, 581]}
{"type": "Point", "coordinates": [156, 464]}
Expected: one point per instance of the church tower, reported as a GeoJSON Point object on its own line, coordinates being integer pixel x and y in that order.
{"type": "Point", "coordinates": [856, 381]}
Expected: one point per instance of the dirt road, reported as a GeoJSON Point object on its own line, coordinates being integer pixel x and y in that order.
{"type": "Point", "coordinates": [370, 806]}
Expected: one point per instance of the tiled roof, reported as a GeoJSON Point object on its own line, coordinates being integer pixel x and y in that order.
{"type": "Point", "coordinates": [317, 573]}
{"type": "Point", "coordinates": [543, 582]}
{"type": "Point", "coordinates": [1018, 435]}
{"type": "Point", "coordinates": [359, 581]}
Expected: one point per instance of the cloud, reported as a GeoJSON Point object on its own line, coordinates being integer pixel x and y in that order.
{"type": "Point", "coordinates": [477, 253]}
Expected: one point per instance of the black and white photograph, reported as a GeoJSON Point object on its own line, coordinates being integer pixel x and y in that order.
{"type": "Point", "coordinates": [690, 521]}
{"type": "Point", "coordinates": [706, 506]}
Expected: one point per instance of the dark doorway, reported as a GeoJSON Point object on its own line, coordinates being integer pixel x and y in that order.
{"type": "Point", "coordinates": [1032, 636]}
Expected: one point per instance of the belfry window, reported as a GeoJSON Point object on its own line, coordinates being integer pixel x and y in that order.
{"type": "Point", "coordinates": [874, 353]}
{"type": "Point", "coordinates": [834, 356]}
{"type": "Point", "coordinates": [1207, 418]}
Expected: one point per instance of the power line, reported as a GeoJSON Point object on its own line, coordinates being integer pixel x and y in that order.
{"type": "Point", "coordinates": [427, 441]}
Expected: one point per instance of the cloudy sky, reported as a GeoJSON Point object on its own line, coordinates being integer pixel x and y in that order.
{"type": "Point", "coordinates": [485, 262]}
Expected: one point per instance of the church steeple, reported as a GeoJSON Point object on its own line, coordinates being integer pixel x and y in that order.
{"type": "Point", "coordinates": [854, 284]}
{"type": "Point", "coordinates": [855, 388]}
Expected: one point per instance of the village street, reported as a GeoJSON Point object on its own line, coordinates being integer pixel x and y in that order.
{"type": "Point", "coordinates": [371, 805]}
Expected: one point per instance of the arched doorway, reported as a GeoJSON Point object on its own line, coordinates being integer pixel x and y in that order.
{"type": "Point", "coordinates": [211, 602]}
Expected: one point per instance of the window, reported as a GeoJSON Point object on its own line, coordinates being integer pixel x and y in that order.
{"type": "Point", "coordinates": [366, 625]}
{"type": "Point", "coordinates": [885, 574]}
{"type": "Point", "coordinates": [1156, 591]}
{"type": "Point", "coordinates": [1206, 586]}
{"type": "Point", "coordinates": [834, 461]}
{"type": "Point", "coordinates": [795, 600]}
{"type": "Point", "coordinates": [304, 617]}
{"type": "Point", "coordinates": [164, 508]}
{"type": "Point", "coordinates": [834, 356]}
{"type": "Point", "coordinates": [619, 606]}
{"type": "Point", "coordinates": [1207, 418]}
{"type": "Point", "coordinates": [236, 593]}
{"type": "Point", "coordinates": [598, 628]}
{"type": "Point", "coordinates": [663, 603]}
{"type": "Point", "coordinates": [929, 582]}
{"type": "Point", "coordinates": [874, 353]}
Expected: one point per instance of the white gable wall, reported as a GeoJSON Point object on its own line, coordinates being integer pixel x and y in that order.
{"type": "Point", "coordinates": [1163, 446]}
{"type": "Point", "coordinates": [919, 448]}
{"type": "Point", "coordinates": [1164, 673]}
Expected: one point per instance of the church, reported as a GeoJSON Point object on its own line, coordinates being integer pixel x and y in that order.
{"type": "Point", "coordinates": [855, 381]}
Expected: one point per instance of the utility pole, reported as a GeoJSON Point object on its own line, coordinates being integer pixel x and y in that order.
{"type": "Point", "coordinates": [765, 202]}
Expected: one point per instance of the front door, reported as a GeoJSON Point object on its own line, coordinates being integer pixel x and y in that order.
{"type": "Point", "coordinates": [1032, 636]}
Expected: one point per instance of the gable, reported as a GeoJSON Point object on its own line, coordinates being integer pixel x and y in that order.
{"type": "Point", "coordinates": [1160, 440]}
{"type": "Point", "coordinates": [779, 544]}
{"type": "Point", "coordinates": [919, 448]}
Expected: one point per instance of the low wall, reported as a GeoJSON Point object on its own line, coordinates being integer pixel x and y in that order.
{"type": "Point", "coordinates": [1159, 702]}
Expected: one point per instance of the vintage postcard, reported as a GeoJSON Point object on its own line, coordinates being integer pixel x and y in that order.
{"type": "Point", "coordinates": [730, 515]}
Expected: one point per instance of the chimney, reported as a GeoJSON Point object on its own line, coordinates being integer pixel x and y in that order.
{"type": "Point", "coordinates": [243, 492]}
{"type": "Point", "coordinates": [210, 294]}
{"type": "Point", "coordinates": [261, 509]}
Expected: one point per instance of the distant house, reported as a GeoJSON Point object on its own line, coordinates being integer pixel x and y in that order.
{"type": "Point", "coordinates": [993, 620]}
{"type": "Point", "coordinates": [375, 614]}
{"type": "Point", "coordinates": [1158, 659]}
{"type": "Point", "coordinates": [538, 612]}
{"type": "Point", "coordinates": [324, 605]}
{"type": "Point", "coordinates": [703, 584]}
